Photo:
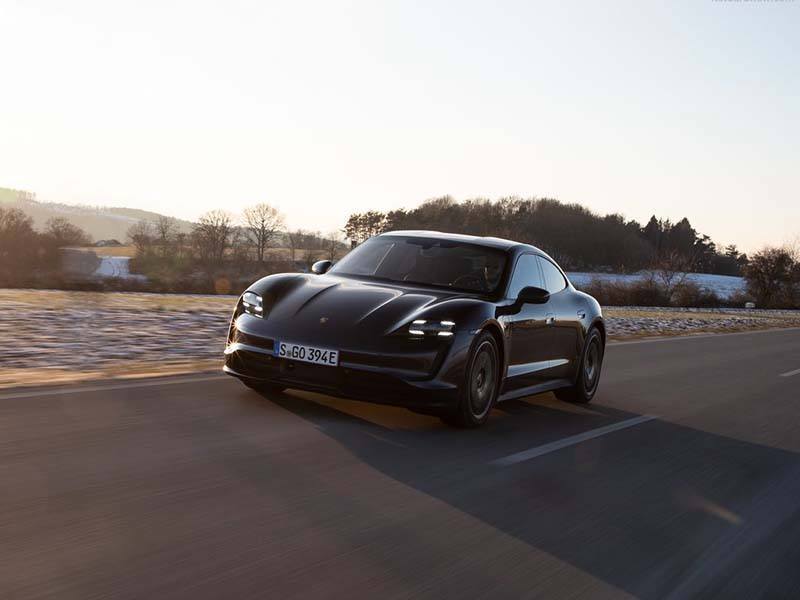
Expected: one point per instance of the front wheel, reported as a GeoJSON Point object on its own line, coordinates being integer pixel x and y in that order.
{"type": "Point", "coordinates": [588, 371]}
{"type": "Point", "coordinates": [482, 381]}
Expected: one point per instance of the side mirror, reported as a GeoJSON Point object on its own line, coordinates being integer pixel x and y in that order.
{"type": "Point", "coordinates": [533, 295]}
{"type": "Point", "coordinates": [321, 266]}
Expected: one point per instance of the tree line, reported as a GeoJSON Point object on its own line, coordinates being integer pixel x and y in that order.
{"type": "Point", "coordinates": [220, 247]}
{"type": "Point", "coordinates": [574, 235]}
{"type": "Point", "coordinates": [219, 242]}
{"type": "Point", "coordinates": [581, 240]}
{"type": "Point", "coordinates": [24, 251]}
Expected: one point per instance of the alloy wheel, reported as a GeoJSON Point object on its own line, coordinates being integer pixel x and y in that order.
{"type": "Point", "coordinates": [483, 380]}
{"type": "Point", "coordinates": [591, 364]}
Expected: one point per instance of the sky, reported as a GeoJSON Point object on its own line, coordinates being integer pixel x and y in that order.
{"type": "Point", "coordinates": [682, 108]}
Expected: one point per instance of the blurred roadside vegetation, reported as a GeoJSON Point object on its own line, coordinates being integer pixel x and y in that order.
{"type": "Point", "coordinates": [223, 254]}
{"type": "Point", "coordinates": [220, 255]}
{"type": "Point", "coordinates": [27, 256]}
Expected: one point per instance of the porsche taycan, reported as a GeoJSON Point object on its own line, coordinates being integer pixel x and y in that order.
{"type": "Point", "coordinates": [442, 324]}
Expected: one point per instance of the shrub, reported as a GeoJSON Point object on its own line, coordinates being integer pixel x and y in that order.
{"type": "Point", "coordinates": [773, 277]}
{"type": "Point", "coordinates": [650, 292]}
{"type": "Point", "coordinates": [644, 292]}
{"type": "Point", "coordinates": [689, 294]}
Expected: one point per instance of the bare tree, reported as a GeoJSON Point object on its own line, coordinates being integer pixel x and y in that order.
{"type": "Point", "coordinates": [166, 232]}
{"type": "Point", "coordinates": [314, 247]}
{"type": "Point", "coordinates": [297, 240]}
{"type": "Point", "coordinates": [181, 240]}
{"type": "Point", "coordinates": [140, 235]}
{"type": "Point", "coordinates": [309, 256]}
{"type": "Point", "coordinates": [240, 245]}
{"type": "Point", "coordinates": [63, 233]}
{"type": "Point", "coordinates": [263, 222]}
{"type": "Point", "coordinates": [311, 243]}
{"type": "Point", "coordinates": [670, 269]}
{"type": "Point", "coordinates": [211, 236]}
{"type": "Point", "coordinates": [333, 244]}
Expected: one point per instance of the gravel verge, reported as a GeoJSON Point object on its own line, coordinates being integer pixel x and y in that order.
{"type": "Point", "coordinates": [55, 337]}
{"type": "Point", "coordinates": [625, 322]}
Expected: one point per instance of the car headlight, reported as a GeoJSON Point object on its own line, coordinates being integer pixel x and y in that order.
{"type": "Point", "coordinates": [422, 327]}
{"type": "Point", "coordinates": [253, 304]}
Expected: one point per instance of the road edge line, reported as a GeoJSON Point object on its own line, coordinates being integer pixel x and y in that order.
{"type": "Point", "coordinates": [538, 451]}
{"type": "Point", "coordinates": [77, 389]}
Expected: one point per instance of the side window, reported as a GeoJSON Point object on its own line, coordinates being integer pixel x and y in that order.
{"type": "Point", "coordinates": [526, 273]}
{"type": "Point", "coordinates": [553, 279]}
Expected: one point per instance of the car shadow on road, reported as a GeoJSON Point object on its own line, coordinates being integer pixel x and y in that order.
{"type": "Point", "coordinates": [657, 510]}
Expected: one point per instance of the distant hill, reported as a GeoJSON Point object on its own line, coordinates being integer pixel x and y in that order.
{"type": "Point", "coordinates": [100, 222]}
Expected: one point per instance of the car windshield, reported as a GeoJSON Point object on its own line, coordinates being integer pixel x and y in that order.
{"type": "Point", "coordinates": [442, 263]}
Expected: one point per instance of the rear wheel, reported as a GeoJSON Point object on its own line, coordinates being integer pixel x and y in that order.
{"type": "Point", "coordinates": [482, 381]}
{"type": "Point", "coordinates": [263, 387]}
{"type": "Point", "coordinates": [588, 371]}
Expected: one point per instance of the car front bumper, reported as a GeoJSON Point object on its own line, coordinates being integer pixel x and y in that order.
{"type": "Point", "coordinates": [411, 373]}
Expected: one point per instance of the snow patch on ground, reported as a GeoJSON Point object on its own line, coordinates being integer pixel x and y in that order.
{"type": "Point", "coordinates": [117, 267]}
{"type": "Point", "coordinates": [724, 286]}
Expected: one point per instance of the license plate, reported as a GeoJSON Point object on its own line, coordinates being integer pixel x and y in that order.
{"type": "Point", "coordinates": [309, 354]}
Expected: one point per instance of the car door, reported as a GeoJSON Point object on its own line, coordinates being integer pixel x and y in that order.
{"type": "Point", "coordinates": [529, 332]}
{"type": "Point", "coordinates": [563, 319]}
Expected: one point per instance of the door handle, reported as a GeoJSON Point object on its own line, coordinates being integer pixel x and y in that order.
{"type": "Point", "coordinates": [550, 319]}
{"type": "Point", "coordinates": [581, 314]}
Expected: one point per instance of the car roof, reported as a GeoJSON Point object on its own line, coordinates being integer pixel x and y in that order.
{"type": "Point", "coordinates": [491, 242]}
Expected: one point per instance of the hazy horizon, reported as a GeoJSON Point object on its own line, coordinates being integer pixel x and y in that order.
{"type": "Point", "coordinates": [688, 109]}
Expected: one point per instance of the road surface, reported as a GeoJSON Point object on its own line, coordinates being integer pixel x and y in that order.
{"type": "Point", "coordinates": [681, 480]}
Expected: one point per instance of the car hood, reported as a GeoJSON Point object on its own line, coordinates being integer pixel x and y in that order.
{"type": "Point", "coordinates": [322, 305]}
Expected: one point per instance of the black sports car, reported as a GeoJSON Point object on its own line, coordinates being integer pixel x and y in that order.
{"type": "Point", "coordinates": [439, 323]}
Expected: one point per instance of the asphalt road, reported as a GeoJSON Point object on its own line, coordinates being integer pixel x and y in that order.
{"type": "Point", "coordinates": [682, 479]}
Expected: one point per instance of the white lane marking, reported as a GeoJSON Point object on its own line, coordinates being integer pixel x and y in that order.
{"type": "Point", "coordinates": [697, 336]}
{"type": "Point", "coordinates": [117, 386]}
{"type": "Point", "coordinates": [512, 459]}
{"type": "Point", "coordinates": [790, 373]}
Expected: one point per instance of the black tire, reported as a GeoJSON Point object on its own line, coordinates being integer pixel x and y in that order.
{"type": "Point", "coordinates": [589, 370]}
{"type": "Point", "coordinates": [481, 384]}
{"type": "Point", "coordinates": [263, 387]}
